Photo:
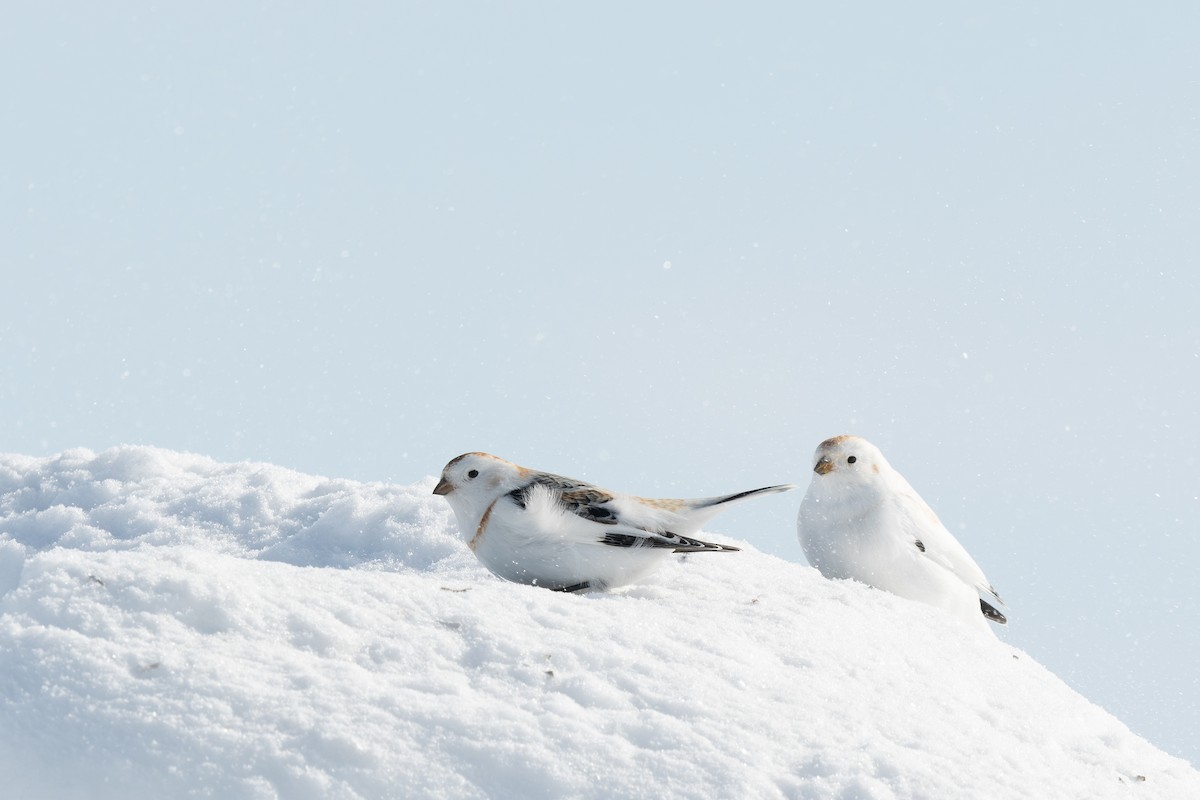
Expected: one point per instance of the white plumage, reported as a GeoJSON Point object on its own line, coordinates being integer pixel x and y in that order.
{"type": "Point", "coordinates": [860, 519]}
{"type": "Point", "coordinates": [543, 529]}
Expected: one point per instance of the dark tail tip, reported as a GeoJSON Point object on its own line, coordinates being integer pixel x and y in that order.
{"type": "Point", "coordinates": [733, 498]}
{"type": "Point", "coordinates": [991, 612]}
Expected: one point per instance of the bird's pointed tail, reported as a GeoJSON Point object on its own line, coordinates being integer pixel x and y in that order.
{"type": "Point", "coordinates": [737, 497]}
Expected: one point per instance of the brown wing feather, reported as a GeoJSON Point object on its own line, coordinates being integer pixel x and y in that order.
{"type": "Point", "coordinates": [581, 499]}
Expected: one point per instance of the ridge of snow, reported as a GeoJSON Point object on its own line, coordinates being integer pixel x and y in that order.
{"type": "Point", "coordinates": [175, 626]}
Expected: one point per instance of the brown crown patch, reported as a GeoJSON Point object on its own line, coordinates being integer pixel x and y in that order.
{"type": "Point", "coordinates": [457, 459]}
{"type": "Point", "coordinates": [835, 441]}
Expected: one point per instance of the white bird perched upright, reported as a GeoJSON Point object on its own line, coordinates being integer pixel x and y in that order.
{"type": "Point", "coordinates": [546, 530]}
{"type": "Point", "coordinates": [861, 520]}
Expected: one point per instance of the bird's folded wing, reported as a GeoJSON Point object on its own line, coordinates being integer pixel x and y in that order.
{"type": "Point", "coordinates": [642, 528]}
{"type": "Point", "coordinates": [592, 514]}
{"type": "Point", "coordinates": [582, 499]}
{"type": "Point", "coordinates": [595, 515]}
{"type": "Point", "coordinates": [939, 545]}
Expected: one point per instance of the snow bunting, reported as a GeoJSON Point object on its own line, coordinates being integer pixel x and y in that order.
{"type": "Point", "coordinates": [546, 530]}
{"type": "Point", "coordinates": [861, 520]}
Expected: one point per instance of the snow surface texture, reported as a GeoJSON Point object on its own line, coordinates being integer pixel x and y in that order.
{"type": "Point", "coordinates": [171, 626]}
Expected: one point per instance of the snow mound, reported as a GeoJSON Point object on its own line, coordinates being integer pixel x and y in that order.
{"type": "Point", "coordinates": [171, 626]}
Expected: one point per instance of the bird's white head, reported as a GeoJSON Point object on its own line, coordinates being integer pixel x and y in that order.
{"type": "Point", "coordinates": [472, 481]}
{"type": "Point", "coordinates": [848, 461]}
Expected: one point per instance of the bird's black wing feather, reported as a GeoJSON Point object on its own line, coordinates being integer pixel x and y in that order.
{"type": "Point", "coordinates": [672, 541]}
{"type": "Point", "coordinates": [581, 499]}
{"type": "Point", "coordinates": [594, 504]}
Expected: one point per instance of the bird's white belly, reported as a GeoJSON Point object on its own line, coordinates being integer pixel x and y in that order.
{"type": "Point", "coordinates": [556, 562]}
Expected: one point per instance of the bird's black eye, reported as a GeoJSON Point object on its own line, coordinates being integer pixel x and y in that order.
{"type": "Point", "coordinates": [851, 459]}
{"type": "Point", "coordinates": [473, 473]}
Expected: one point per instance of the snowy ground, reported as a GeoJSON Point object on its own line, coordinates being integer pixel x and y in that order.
{"type": "Point", "coordinates": [171, 626]}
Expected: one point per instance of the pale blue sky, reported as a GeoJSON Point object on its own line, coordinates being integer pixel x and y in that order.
{"type": "Point", "coordinates": [667, 248]}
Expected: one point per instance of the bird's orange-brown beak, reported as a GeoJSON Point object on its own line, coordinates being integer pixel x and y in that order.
{"type": "Point", "coordinates": [824, 466]}
{"type": "Point", "coordinates": [444, 487]}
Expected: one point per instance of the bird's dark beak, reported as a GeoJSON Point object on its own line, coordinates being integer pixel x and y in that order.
{"type": "Point", "coordinates": [443, 487]}
{"type": "Point", "coordinates": [824, 466]}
